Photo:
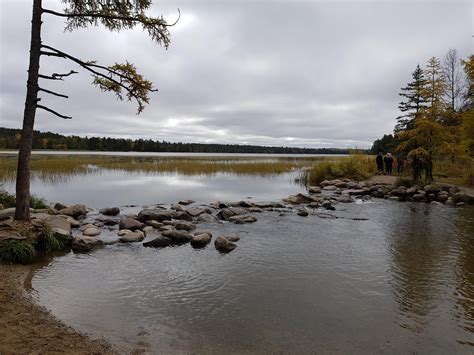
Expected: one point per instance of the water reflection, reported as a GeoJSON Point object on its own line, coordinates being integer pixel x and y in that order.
{"type": "Point", "coordinates": [432, 253]}
{"type": "Point", "coordinates": [464, 275]}
{"type": "Point", "coordinates": [100, 181]}
{"type": "Point", "coordinates": [299, 285]}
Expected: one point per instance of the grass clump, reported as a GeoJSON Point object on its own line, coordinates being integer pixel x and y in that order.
{"type": "Point", "coordinates": [37, 203]}
{"type": "Point", "coordinates": [48, 241]}
{"type": "Point", "coordinates": [355, 167]}
{"type": "Point", "coordinates": [9, 200]}
{"type": "Point", "coordinates": [17, 251]}
{"type": "Point", "coordinates": [6, 199]}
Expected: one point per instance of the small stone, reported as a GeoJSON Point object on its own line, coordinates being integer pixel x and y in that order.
{"type": "Point", "coordinates": [132, 237]}
{"type": "Point", "coordinates": [91, 231]}
{"type": "Point", "coordinates": [302, 212]}
{"type": "Point", "coordinates": [158, 242]}
{"type": "Point", "coordinates": [201, 240]}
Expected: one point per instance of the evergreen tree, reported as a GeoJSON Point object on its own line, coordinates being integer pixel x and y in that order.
{"type": "Point", "coordinates": [121, 79]}
{"type": "Point", "coordinates": [415, 100]}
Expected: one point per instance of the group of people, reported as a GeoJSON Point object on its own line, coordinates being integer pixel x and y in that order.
{"type": "Point", "coordinates": [385, 163]}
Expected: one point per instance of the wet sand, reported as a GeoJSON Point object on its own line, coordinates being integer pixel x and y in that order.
{"type": "Point", "coordinates": [26, 328]}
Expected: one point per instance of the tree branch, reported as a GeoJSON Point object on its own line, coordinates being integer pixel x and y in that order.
{"type": "Point", "coordinates": [53, 112]}
{"type": "Point", "coordinates": [85, 65]}
{"type": "Point", "coordinates": [53, 93]}
{"type": "Point", "coordinates": [114, 17]}
{"type": "Point", "coordinates": [56, 76]}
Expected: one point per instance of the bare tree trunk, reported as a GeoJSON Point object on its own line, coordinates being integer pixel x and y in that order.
{"type": "Point", "coordinates": [22, 211]}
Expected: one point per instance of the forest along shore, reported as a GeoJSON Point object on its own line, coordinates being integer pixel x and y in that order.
{"type": "Point", "coordinates": [26, 328]}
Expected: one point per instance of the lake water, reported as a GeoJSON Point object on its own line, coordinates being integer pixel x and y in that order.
{"type": "Point", "coordinates": [401, 281]}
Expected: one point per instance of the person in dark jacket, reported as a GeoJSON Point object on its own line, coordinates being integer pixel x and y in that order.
{"type": "Point", "coordinates": [388, 160]}
{"type": "Point", "coordinates": [379, 161]}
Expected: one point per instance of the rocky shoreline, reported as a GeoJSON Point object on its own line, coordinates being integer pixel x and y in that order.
{"type": "Point", "coordinates": [161, 226]}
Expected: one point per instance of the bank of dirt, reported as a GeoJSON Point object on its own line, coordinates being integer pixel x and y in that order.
{"type": "Point", "coordinates": [26, 328]}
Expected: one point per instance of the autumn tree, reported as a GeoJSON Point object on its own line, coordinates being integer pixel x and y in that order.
{"type": "Point", "coordinates": [414, 102]}
{"type": "Point", "coordinates": [435, 88]}
{"type": "Point", "coordinates": [122, 79]}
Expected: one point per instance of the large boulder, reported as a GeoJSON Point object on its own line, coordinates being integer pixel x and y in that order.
{"type": "Point", "coordinates": [177, 236]}
{"type": "Point", "coordinates": [242, 219]}
{"type": "Point", "coordinates": [74, 211]}
{"type": "Point", "coordinates": [110, 211]}
{"type": "Point", "coordinates": [159, 242]}
{"type": "Point", "coordinates": [184, 225]}
{"type": "Point", "coordinates": [196, 211]}
{"type": "Point", "coordinates": [60, 226]}
{"type": "Point", "coordinates": [85, 244]}
{"type": "Point", "coordinates": [207, 218]}
{"type": "Point", "coordinates": [223, 245]}
{"type": "Point", "coordinates": [91, 231]}
{"type": "Point", "coordinates": [132, 237]}
{"type": "Point", "coordinates": [156, 214]}
{"type": "Point", "coordinates": [314, 190]}
{"type": "Point", "coordinates": [130, 223]}
{"type": "Point", "coordinates": [201, 240]}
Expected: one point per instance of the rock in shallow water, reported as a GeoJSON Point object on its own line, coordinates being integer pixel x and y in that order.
{"type": "Point", "coordinates": [132, 237]}
{"type": "Point", "coordinates": [130, 223]}
{"type": "Point", "coordinates": [110, 211]}
{"type": "Point", "coordinates": [201, 240]}
{"type": "Point", "coordinates": [85, 244]}
{"type": "Point", "coordinates": [223, 245]}
{"type": "Point", "coordinates": [91, 231]}
{"type": "Point", "coordinates": [177, 236]}
{"type": "Point", "coordinates": [158, 242]}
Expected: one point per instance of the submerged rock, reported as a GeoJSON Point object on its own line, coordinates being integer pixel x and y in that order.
{"type": "Point", "coordinates": [207, 218]}
{"type": "Point", "coordinates": [223, 245]}
{"type": "Point", "coordinates": [302, 212]}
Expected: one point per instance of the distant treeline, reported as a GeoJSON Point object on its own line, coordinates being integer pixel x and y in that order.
{"type": "Point", "coordinates": [9, 139]}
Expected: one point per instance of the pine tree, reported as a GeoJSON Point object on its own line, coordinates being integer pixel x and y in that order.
{"type": "Point", "coordinates": [416, 101]}
{"type": "Point", "coordinates": [121, 78]}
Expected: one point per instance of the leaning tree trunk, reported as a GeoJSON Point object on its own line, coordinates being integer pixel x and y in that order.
{"type": "Point", "coordinates": [22, 211]}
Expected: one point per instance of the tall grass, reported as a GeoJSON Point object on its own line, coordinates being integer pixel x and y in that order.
{"type": "Point", "coordinates": [17, 251]}
{"type": "Point", "coordinates": [48, 241]}
{"type": "Point", "coordinates": [355, 167]}
{"type": "Point", "coordinates": [9, 200]}
{"type": "Point", "coordinates": [60, 168]}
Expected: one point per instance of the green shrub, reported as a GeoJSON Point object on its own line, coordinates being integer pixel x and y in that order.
{"type": "Point", "coordinates": [37, 202]}
{"type": "Point", "coordinates": [354, 167]}
{"type": "Point", "coordinates": [9, 200]}
{"type": "Point", "coordinates": [405, 181]}
{"type": "Point", "coordinates": [6, 199]}
{"type": "Point", "coordinates": [48, 242]}
{"type": "Point", "coordinates": [17, 251]}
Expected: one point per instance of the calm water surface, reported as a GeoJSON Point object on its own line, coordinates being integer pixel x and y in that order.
{"type": "Point", "coordinates": [403, 281]}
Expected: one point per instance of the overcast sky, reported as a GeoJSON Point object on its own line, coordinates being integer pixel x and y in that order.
{"type": "Point", "coordinates": [293, 73]}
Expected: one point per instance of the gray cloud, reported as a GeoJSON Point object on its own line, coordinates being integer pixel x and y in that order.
{"type": "Point", "coordinates": [296, 73]}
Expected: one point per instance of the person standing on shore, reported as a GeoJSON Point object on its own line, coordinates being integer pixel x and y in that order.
{"type": "Point", "coordinates": [379, 161]}
{"type": "Point", "coordinates": [388, 160]}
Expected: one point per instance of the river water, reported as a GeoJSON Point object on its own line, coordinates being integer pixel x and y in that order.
{"type": "Point", "coordinates": [401, 281]}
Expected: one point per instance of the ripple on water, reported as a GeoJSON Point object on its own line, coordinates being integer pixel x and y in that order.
{"type": "Point", "coordinates": [294, 284]}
